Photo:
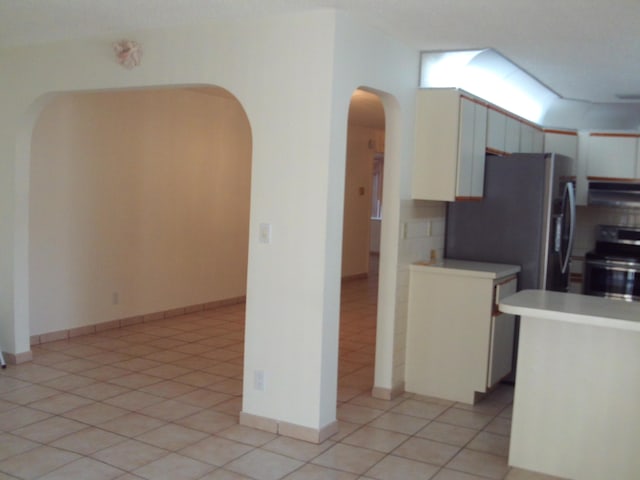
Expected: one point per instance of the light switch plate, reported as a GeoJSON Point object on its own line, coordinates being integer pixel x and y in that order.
{"type": "Point", "coordinates": [265, 233]}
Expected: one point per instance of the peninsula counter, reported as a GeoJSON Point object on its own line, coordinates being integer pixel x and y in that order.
{"type": "Point", "coordinates": [576, 411]}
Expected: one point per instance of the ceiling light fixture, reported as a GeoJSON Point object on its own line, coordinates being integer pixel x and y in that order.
{"type": "Point", "coordinates": [128, 53]}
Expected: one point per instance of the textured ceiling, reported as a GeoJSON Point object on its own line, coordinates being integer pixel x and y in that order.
{"type": "Point", "coordinates": [582, 49]}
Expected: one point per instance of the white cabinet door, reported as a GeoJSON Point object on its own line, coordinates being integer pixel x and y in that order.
{"type": "Point", "coordinates": [538, 141]}
{"type": "Point", "coordinates": [562, 142]}
{"type": "Point", "coordinates": [612, 155]}
{"type": "Point", "coordinates": [502, 336]}
{"type": "Point", "coordinates": [436, 145]}
{"type": "Point", "coordinates": [526, 137]}
{"type": "Point", "coordinates": [471, 153]}
{"type": "Point", "coordinates": [450, 146]}
{"type": "Point", "coordinates": [465, 151]}
{"type": "Point", "coordinates": [496, 130]}
{"type": "Point", "coordinates": [512, 135]}
{"type": "Point", "coordinates": [479, 150]}
{"type": "Point", "coordinates": [503, 132]}
{"type": "Point", "coordinates": [531, 138]}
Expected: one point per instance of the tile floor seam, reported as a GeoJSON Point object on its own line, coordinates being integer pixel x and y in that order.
{"type": "Point", "coordinates": [390, 454]}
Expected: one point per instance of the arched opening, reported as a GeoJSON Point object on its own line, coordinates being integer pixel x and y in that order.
{"type": "Point", "coordinates": [364, 179]}
{"type": "Point", "coordinates": [138, 243]}
{"type": "Point", "coordinates": [139, 204]}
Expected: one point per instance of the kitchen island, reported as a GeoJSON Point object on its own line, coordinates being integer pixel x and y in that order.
{"type": "Point", "coordinates": [576, 410]}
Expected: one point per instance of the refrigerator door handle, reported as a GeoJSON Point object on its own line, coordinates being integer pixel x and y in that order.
{"type": "Point", "coordinates": [557, 238]}
{"type": "Point", "coordinates": [570, 198]}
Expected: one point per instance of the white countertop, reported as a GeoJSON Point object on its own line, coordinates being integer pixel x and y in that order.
{"type": "Point", "coordinates": [450, 266]}
{"type": "Point", "coordinates": [574, 308]}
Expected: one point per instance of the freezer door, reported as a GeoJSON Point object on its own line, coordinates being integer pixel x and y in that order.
{"type": "Point", "coordinates": [508, 224]}
{"type": "Point", "coordinates": [515, 221]}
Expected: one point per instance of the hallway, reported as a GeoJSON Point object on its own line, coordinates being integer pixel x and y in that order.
{"type": "Point", "coordinates": [160, 400]}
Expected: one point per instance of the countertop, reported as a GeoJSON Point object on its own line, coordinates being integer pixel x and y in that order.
{"type": "Point", "coordinates": [451, 266]}
{"type": "Point", "coordinates": [574, 308]}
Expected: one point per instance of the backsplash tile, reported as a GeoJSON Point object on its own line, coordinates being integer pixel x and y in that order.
{"type": "Point", "coordinates": [421, 232]}
{"type": "Point", "coordinates": [589, 217]}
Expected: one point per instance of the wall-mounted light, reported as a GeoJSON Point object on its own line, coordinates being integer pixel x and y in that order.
{"type": "Point", "coordinates": [128, 53]}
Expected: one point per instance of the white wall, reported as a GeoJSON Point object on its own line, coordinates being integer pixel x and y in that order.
{"type": "Point", "coordinates": [294, 76]}
{"type": "Point", "coordinates": [143, 194]}
{"type": "Point", "coordinates": [368, 58]}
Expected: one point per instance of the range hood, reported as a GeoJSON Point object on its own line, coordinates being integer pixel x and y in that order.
{"type": "Point", "coordinates": [614, 194]}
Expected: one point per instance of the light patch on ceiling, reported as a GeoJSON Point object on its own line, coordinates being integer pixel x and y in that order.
{"type": "Point", "coordinates": [439, 68]}
{"type": "Point", "coordinates": [490, 76]}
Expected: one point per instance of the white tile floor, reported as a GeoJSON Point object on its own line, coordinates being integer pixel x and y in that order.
{"type": "Point", "coordinates": [160, 400]}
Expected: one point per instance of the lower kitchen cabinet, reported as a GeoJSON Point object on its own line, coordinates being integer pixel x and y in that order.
{"type": "Point", "coordinates": [458, 344]}
{"type": "Point", "coordinates": [502, 334]}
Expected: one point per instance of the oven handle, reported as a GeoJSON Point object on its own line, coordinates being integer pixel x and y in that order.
{"type": "Point", "coordinates": [615, 265]}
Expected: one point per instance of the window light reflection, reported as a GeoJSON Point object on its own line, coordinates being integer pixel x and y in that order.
{"type": "Point", "coordinates": [488, 75]}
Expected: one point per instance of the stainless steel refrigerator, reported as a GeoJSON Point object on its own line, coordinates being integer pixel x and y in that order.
{"type": "Point", "coordinates": [526, 218]}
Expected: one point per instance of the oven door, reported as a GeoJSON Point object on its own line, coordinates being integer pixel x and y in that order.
{"type": "Point", "coordinates": [609, 278]}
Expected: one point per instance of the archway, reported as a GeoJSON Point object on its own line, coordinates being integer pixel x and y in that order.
{"type": "Point", "coordinates": [361, 244]}
{"type": "Point", "coordinates": [138, 207]}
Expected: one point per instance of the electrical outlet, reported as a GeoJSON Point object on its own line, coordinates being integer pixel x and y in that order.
{"type": "Point", "coordinates": [115, 298]}
{"type": "Point", "coordinates": [258, 380]}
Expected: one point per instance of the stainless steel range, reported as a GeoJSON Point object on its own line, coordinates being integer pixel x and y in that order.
{"type": "Point", "coordinates": [612, 269]}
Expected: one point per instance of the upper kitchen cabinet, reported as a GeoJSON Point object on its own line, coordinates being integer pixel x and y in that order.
{"type": "Point", "coordinates": [451, 130]}
{"type": "Point", "coordinates": [507, 133]}
{"type": "Point", "coordinates": [564, 142]}
{"type": "Point", "coordinates": [613, 156]}
{"type": "Point", "coordinates": [512, 135]}
{"type": "Point", "coordinates": [531, 138]}
{"type": "Point", "coordinates": [496, 131]}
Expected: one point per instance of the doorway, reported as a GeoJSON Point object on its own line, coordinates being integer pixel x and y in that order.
{"type": "Point", "coordinates": [129, 190]}
{"type": "Point", "coordinates": [361, 244]}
